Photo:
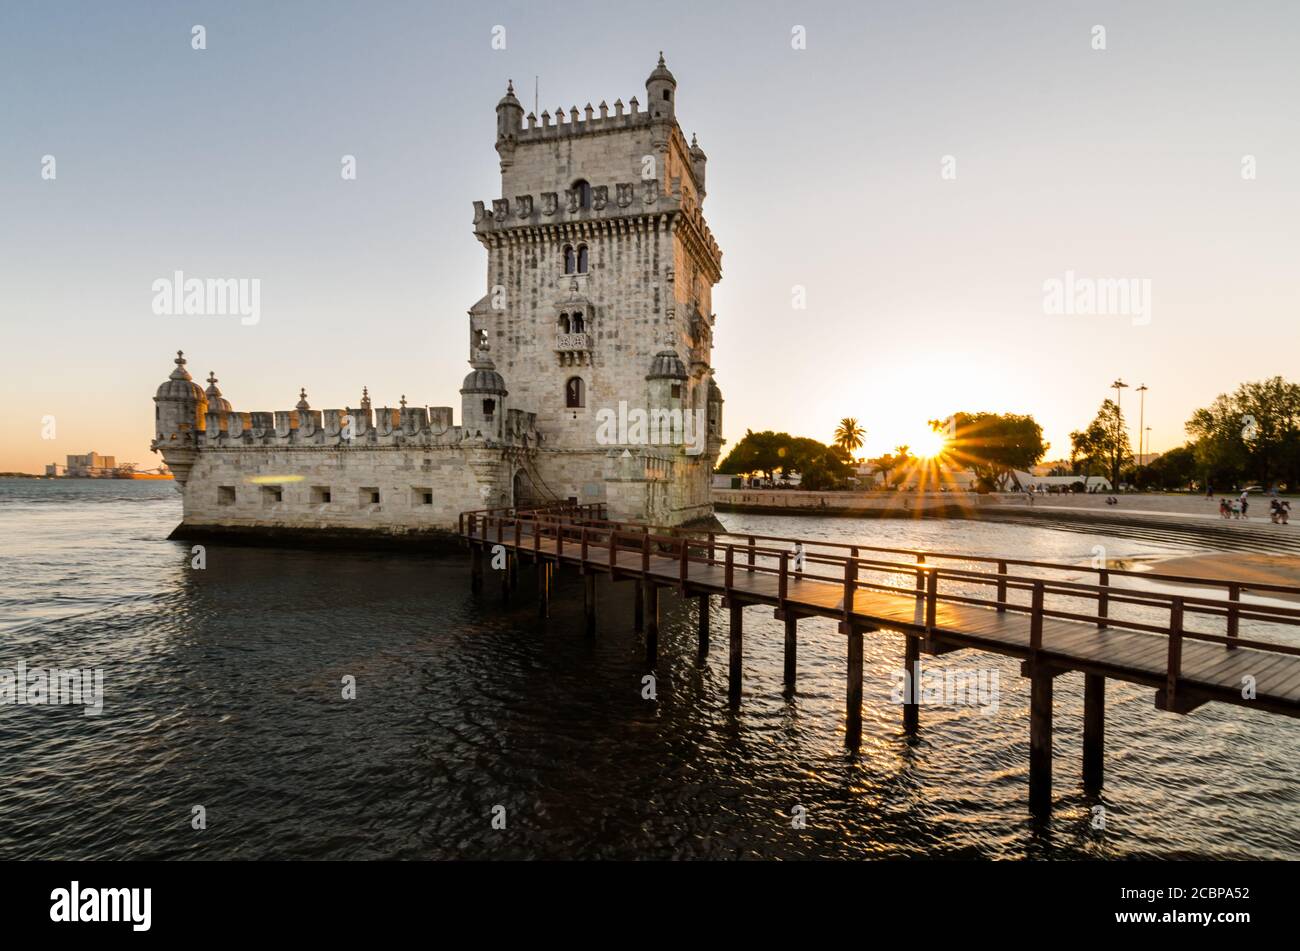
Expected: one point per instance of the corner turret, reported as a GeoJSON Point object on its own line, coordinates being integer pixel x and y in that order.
{"type": "Point", "coordinates": [510, 119]}
{"type": "Point", "coordinates": [180, 413]}
{"type": "Point", "coordinates": [483, 398]}
{"type": "Point", "coordinates": [661, 92]}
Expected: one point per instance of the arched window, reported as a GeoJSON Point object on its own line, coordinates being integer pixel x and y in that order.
{"type": "Point", "coordinates": [667, 96]}
{"type": "Point", "coordinates": [570, 260]}
{"type": "Point", "coordinates": [564, 323]}
{"type": "Point", "coordinates": [575, 393]}
{"type": "Point", "coordinates": [579, 325]}
{"type": "Point", "coordinates": [489, 407]}
{"type": "Point", "coordinates": [582, 259]}
{"type": "Point", "coordinates": [584, 193]}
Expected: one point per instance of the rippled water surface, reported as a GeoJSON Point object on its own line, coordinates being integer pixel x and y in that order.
{"type": "Point", "coordinates": [222, 689]}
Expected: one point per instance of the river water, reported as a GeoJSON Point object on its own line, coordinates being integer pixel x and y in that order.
{"type": "Point", "coordinates": [223, 690]}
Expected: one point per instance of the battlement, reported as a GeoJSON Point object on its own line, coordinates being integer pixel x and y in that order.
{"type": "Point", "coordinates": [587, 124]}
{"type": "Point", "coordinates": [607, 212]}
{"type": "Point", "coordinates": [359, 428]}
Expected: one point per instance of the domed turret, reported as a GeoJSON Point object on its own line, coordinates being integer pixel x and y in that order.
{"type": "Point", "coordinates": [715, 409]}
{"type": "Point", "coordinates": [179, 416]}
{"type": "Point", "coordinates": [667, 366]}
{"type": "Point", "coordinates": [510, 119]}
{"type": "Point", "coordinates": [698, 162]}
{"type": "Point", "coordinates": [216, 402]}
{"type": "Point", "coordinates": [180, 385]}
{"type": "Point", "coordinates": [303, 405]}
{"type": "Point", "coordinates": [482, 398]}
{"type": "Point", "coordinates": [661, 91]}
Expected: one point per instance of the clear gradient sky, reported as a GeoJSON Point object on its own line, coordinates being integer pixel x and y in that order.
{"type": "Point", "coordinates": [924, 295]}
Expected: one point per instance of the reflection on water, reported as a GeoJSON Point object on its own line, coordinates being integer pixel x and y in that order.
{"type": "Point", "coordinates": [223, 689]}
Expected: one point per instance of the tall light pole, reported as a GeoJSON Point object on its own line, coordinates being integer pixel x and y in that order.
{"type": "Point", "coordinates": [1117, 386]}
{"type": "Point", "coordinates": [1142, 412]}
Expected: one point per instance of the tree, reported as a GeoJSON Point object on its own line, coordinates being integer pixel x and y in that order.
{"type": "Point", "coordinates": [1251, 435]}
{"type": "Point", "coordinates": [1175, 469]}
{"type": "Point", "coordinates": [994, 446]}
{"type": "Point", "coordinates": [849, 435]}
{"type": "Point", "coordinates": [819, 466]}
{"type": "Point", "coordinates": [1104, 443]}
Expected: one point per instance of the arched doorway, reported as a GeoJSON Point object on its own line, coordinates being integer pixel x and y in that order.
{"type": "Point", "coordinates": [521, 491]}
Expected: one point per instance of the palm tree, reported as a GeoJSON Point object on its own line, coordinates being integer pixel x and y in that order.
{"type": "Point", "coordinates": [849, 435]}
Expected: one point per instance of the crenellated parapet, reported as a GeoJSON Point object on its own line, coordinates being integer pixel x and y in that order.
{"type": "Point", "coordinates": [404, 427]}
{"type": "Point", "coordinates": [616, 208]}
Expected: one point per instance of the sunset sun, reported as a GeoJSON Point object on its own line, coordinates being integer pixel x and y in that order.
{"type": "Point", "coordinates": [928, 443]}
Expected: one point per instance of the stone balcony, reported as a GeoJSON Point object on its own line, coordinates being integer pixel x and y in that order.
{"type": "Point", "coordinates": [574, 349]}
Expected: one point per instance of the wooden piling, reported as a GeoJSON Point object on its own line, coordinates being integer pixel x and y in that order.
{"type": "Point", "coordinates": [1094, 731]}
{"type": "Point", "coordinates": [791, 648]}
{"type": "Point", "coordinates": [853, 711]}
{"type": "Point", "coordinates": [704, 625]}
{"type": "Point", "coordinates": [1040, 742]}
{"type": "Point", "coordinates": [589, 603]}
{"type": "Point", "coordinates": [651, 622]}
{"type": "Point", "coordinates": [911, 685]}
{"type": "Point", "coordinates": [737, 651]}
{"type": "Point", "coordinates": [543, 589]}
{"type": "Point", "coordinates": [476, 568]}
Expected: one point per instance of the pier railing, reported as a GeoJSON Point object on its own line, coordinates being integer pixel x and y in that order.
{"type": "Point", "coordinates": [934, 578]}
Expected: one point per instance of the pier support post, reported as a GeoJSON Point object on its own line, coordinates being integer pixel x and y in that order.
{"type": "Point", "coordinates": [737, 650]}
{"type": "Point", "coordinates": [911, 685]}
{"type": "Point", "coordinates": [476, 568]}
{"type": "Point", "coordinates": [543, 588]}
{"type": "Point", "coordinates": [638, 609]}
{"type": "Point", "coordinates": [1094, 732]}
{"type": "Point", "coordinates": [651, 622]}
{"type": "Point", "coordinates": [704, 625]}
{"type": "Point", "coordinates": [1040, 742]}
{"type": "Point", "coordinates": [589, 603]}
{"type": "Point", "coordinates": [853, 709]}
{"type": "Point", "coordinates": [791, 649]}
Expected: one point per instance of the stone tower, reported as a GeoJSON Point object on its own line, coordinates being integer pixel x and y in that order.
{"type": "Point", "coordinates": [598, 308]}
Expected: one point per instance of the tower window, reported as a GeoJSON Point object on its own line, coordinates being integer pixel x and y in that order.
{"type": "Point", "coordinates": [570, 259]}
{"type": "Point", "coordinates": [578, 325]}
{"type": "Point", "coordinates": [677, 391]}
{"type": "Point", "coordinates": [583, 187]}
{"type": "Point", "coordinates": [489, 407]}
{"type": "Point", "coordinates": [575, 393]}
{"type": "Point", "coordinates": [667, 96]}
{"type": "Point", "coordinates": [582, 259]}
{"type": "Point", "coordinates": [564, 323]}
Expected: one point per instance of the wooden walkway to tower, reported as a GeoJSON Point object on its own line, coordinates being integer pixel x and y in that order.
{"type": "Point", "coordinates": [940, 602]}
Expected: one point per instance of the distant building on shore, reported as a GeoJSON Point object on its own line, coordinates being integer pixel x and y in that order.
{"type": "Point", "coordinates": [91, 465]}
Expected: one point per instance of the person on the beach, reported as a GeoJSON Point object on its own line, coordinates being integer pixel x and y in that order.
{"type": "Point", "coordinates": [1245, 502]}
{"type": "Point", "coordinates": [1236, 509]}
{"type": "Point", "coordinates": [1224, 510]}
{"type": "Point", "coordinates": [1274, 510]}
{"type": "Point", "coordinates": [1285, 513]}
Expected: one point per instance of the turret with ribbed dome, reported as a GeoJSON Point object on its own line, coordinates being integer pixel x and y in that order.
{"type": "Point", "coordinates": [180, 410]}
{"type": "Point", "coordinates": [216, 402]}
{"type": "Point", "coordinates": [661, 91]}
{"type": "Point", "coordinates": [510, 119]}
{"type": "Point", "coordinates": [483, 397]}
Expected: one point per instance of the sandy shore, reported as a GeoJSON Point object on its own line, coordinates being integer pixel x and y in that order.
{"type": "Point", "coordinates": [1249, 568]}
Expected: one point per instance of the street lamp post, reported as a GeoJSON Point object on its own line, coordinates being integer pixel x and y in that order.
{"type": "Point", "coordinates": [1142, 413]}
{"type": "Point", "coordinates": [1117, 386]}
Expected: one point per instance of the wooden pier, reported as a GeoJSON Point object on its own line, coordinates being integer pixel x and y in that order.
{"type": "Point", "coordinates": [1034, 611]}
